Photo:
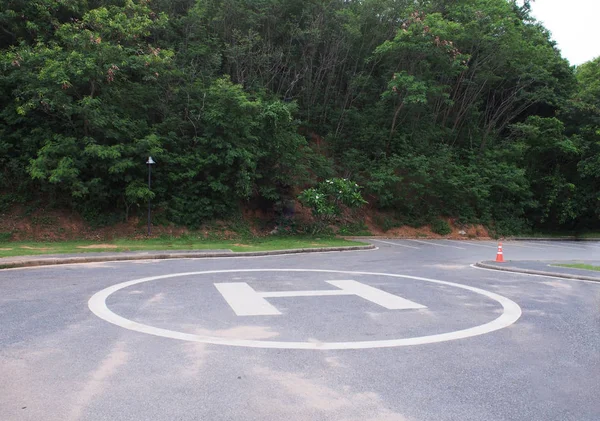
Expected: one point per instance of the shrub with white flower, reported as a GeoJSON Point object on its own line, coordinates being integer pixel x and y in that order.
{"type": "Point", "coordinates": [327, 198]}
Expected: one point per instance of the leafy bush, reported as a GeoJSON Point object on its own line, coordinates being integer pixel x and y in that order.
{"type": "Point", "coordinates": [510, 226]}
{"type": "Point", "coordinates": [354, 228]}
{"type": "Point", "coordinates": [329, 197]}
{"type": "Point", "coordinates": [386, 223]}
{"type": "Point", "coordinates": [290, 226]}
{"type": "Point", "coordinates": [441, 227]}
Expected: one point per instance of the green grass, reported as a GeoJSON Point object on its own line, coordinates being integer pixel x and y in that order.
{"type": "Point", "coordinates": [27, 248]}
{"type": "Point", "coordinates": [590, 235]}
{"type": "Point", "coordinates": [581, 266]}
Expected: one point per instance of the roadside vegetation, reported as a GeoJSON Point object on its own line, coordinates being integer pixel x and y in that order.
{"type": "Point", "coordinates": [26, 248]}
{"type": "Point", "coordinates": [428, 111]}
{"type": "Point", "coordinates": [581, 266]}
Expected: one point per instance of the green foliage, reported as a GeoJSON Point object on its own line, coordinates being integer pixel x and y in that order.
{"type": "Point", "coordinates": [441, 227]}
{"type": "Point", "coordinates": [354, 228]}
{"type": "Point", "coordinates": [510, 226]}
{"type": "Point", "coordinates": [386, 223]}
{"type": "Point", "coordinates": [238, 147]}
{"type": "Point", "coordinates": [240, 227]}
{"type": "Point", "coordinates": [9, 200]}
{"type": "Point", "coordinates": [327, 199]}
{"type": "Point", "coordinates": [5, 237]}
{"type": "Point", "coordinates": [464, 109]}
{"type": "Point", "coordinates": [294, 227]}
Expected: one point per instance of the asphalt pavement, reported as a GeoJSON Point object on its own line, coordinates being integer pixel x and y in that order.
{"type": "Point", "coordinates": [408, 332]}
{"type": "Point", "coordinates": [545, 267]}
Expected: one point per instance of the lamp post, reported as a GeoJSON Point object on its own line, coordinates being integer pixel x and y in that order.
{"type": "Point", "coordinates": [150, 162]}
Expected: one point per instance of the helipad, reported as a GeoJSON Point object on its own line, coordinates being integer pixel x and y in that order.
{"type": "Point", "coordinates": [245, 301]}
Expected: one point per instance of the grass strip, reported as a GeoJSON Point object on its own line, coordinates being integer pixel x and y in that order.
{"type": "Point", "coordinates": [28, 248]}
{"type": "Point", "coordinates": [580, 266]}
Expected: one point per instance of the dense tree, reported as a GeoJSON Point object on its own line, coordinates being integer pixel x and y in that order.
{"type": "Point", "coordinates": [462, 108]}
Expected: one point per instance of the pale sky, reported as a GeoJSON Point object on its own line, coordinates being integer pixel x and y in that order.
{"type": "Point", "coordinates": [574, 24]}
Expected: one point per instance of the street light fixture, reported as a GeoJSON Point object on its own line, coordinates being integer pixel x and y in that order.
{"type": "Point", "coordinates": [149, 163]}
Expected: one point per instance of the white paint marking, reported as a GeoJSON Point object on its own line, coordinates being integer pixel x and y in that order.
{"type": "Point", "coordinates": [513, 243]}
{"type": "Point", "coordinates": [560, 246]}
{"type": "Point", "coordinates": [377, 296]}
{"type": "Point", "coordinates": [472, 243]}
{"type": "Point", "coordinates": [316, 293]}
{"type": "Point", "coordinates": [396, 244]}
{"type": "Point", "coordinates": [245, 301]}
{"type": "Point", "coordinates": [437, 244]}
{"type": "Point", "coordinates": [511, 313]}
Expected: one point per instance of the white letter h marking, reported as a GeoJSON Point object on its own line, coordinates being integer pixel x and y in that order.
{"type": "Point", "coordinates": [245, 301]}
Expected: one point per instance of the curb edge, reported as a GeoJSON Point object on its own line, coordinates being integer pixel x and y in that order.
{"type": "Point", "coordinates": [536, 272]}
{"type": "Point", "coordinates": [173, 255]}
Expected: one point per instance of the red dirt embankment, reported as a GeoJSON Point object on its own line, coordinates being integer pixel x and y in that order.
{"type": "Point", "coordinates": [53, 225]}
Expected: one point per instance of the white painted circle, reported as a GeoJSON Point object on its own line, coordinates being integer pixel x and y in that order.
{"type": "Point", "coordinates": [511, 313]}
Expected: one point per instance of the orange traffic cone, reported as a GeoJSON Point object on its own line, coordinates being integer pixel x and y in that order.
{"type": "Point", "coordinates": [500, 255]}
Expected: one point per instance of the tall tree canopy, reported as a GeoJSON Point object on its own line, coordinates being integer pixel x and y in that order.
{"type": "Point", "coordinates": [460, 108]}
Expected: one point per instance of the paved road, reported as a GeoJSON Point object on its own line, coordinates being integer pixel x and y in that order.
{"type": "Point", "coordinates": [318, 337]}
{"type": "Point", "coordinates": [545, 267]}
